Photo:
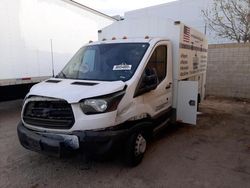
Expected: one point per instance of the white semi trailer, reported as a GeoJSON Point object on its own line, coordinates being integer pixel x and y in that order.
{"type": "Point", "coordinates": [38, 37]}
{"type": "Point", "coordinates": [118, 91]}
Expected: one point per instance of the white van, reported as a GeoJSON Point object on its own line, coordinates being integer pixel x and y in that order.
{"type": "Point", "coordinates": [118, 91]}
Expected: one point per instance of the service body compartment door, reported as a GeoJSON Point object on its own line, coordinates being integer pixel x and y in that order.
{"type": "Point", "coordinates": [187, 102]}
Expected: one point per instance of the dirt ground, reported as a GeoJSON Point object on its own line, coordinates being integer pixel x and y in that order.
{"type": "Point", "coordinates": [215, 153]}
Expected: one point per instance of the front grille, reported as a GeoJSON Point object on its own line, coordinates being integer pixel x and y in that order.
{"type": "Point", "coordinates": [56, 114]}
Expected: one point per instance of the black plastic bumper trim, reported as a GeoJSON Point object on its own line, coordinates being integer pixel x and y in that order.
{"type": "Point", "coordinates": [98, 142]}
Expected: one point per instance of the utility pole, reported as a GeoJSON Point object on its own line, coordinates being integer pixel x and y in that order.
{"type": "Point", "coordinates": [205, 29]}
{"type": "Point", "coordinates": [52, 57]}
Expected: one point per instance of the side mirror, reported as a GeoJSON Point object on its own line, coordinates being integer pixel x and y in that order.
{"type": "Point", "coordinates": [148, 83]}
{"type": "Point", "coordinates": [151, 81]}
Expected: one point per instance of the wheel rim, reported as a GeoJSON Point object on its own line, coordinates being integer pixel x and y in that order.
{"type": "Point", "coordinates": [140, 145]}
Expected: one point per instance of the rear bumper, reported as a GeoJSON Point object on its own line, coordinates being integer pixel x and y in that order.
{"type": "Point", "coordinates": [97, 142]}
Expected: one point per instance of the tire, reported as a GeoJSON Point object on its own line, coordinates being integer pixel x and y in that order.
{"type": "Point", "coordinates": [198, 101]}
{"type": "Point", "coordinates": [136, 148]}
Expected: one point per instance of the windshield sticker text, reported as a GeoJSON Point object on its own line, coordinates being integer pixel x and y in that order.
{"type": "Point", "coordinates": [122, 67]}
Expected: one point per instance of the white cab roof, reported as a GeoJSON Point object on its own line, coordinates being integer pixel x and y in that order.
{"type": "Point", "coordinates": [149, 40]}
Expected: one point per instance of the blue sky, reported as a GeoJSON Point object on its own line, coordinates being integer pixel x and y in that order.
{"type": "Point", "coordinates": [115, 7]}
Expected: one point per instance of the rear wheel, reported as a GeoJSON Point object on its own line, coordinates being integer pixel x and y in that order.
{"type": "Point", "coordinates": [198, 101]}
{"type": "Point", "coordinates": [136, 147]}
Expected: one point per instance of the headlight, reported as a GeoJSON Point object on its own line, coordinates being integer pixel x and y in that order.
{"type": "Point", "coordinates": [94, 105]}
{"type": "Point", "coordinates": [101, 104]}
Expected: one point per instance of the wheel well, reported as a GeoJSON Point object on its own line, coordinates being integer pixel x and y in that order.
{"type": "Point", "coordinates": [147, 127]}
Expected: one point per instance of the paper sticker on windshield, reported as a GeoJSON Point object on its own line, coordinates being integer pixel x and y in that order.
{"type": "Point", "coordinates": [122, 67]}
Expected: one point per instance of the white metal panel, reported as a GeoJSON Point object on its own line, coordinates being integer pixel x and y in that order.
{"type": "Point", "coordinates": [73, 93]}
{"type": "Point", "coordinates": [187, 102]}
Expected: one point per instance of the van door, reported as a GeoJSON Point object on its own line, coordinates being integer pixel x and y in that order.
{"type": "Point", "coordinates": [160, 99]}
{"type": "Point", "coordinates": [187, 102]}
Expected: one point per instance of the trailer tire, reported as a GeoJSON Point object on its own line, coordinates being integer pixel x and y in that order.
{"type": "Point", "coordinates": [136, 147]}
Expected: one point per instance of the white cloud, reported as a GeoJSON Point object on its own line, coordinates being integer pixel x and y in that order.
{"type": "Point", "coordinates": [115, 7]}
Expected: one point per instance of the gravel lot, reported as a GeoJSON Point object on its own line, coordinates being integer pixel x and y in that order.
{"type": "Point", "coordinates": [215, 153]}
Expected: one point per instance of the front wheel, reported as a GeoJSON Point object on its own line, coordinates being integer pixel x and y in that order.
{"type": "Point", "coordinates": [136, 147]}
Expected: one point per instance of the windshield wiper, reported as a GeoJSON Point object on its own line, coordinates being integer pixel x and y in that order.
{"type": "Point", "coordinates": [63, 74]}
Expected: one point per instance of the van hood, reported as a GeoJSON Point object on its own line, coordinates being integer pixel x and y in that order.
{"type": "Point", "coordinates": [75, 90]}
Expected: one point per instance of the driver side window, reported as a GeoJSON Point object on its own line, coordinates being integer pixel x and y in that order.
{"type": "Point", "coordinates": [158, 62]}
{"type": "Point", "coordinates": [155, 71]}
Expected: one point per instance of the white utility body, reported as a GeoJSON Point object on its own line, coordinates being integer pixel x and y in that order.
{"type": "Point", "coordinates": [187, 55]}
{"type": "Point", "coordinates": [139, 74]}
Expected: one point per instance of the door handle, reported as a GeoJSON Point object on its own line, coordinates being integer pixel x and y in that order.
{"type": "Point", "coordinates": [192, 102]}
{"type": "Point", "coordinates": [168, 86]}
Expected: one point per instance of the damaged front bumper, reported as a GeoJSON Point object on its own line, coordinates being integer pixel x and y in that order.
{"type": "Point", "coordinates": [97, 142]}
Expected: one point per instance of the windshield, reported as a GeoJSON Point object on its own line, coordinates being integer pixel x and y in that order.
{"type": "Point", "coordinates": [106, 62]}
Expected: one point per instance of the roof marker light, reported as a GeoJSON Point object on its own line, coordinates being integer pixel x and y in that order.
{"type": "Point", "coordinates": [113, 38]}
{"type": "Point", "coordinates": [146, 37]}
{"type": "Point", "coordinates": [104, 39]}
{"type": "Point", "coordinates": [90, 41]}
{"type": "Point", "coordinates": [125, 37]}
